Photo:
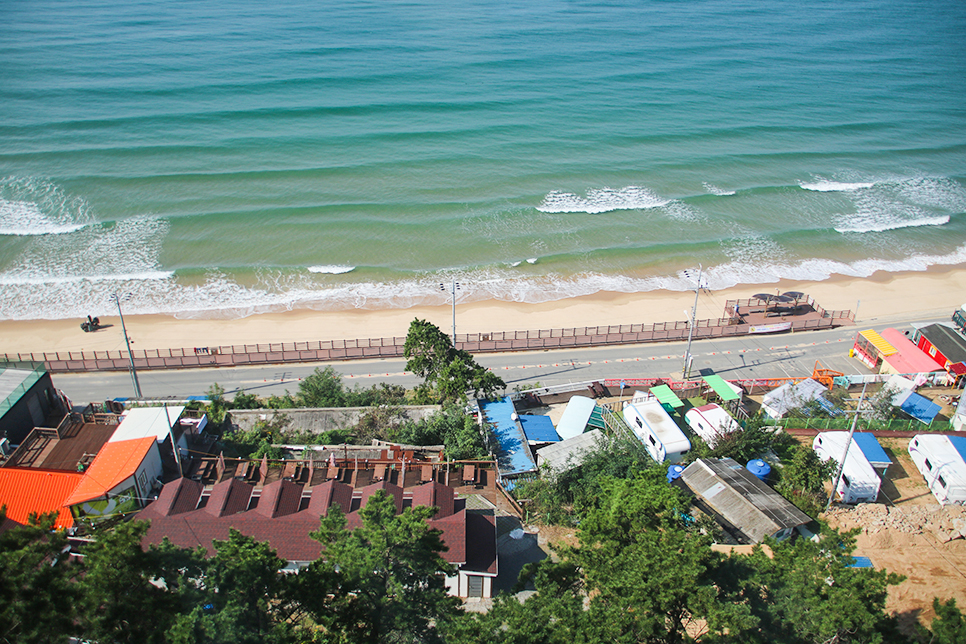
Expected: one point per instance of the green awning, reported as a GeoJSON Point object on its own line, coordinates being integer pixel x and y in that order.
{"type": "Point", "coordinates": [596, 419]}
{"type": "Point", "coordinates": [722, 388]}
{"type": "Point", "coordinates": [665, 396]}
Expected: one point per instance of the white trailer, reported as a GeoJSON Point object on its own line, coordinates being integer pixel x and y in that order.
{"type": "Point", "coordinates": [860, 482]}
{"type": "Point", "coordinates": [710, 422]}
{"type": "Point", "coordinates": [662, 437]}
{"type": "Point", "coordinates": [941, 460]}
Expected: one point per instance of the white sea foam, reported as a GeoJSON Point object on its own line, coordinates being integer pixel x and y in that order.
{"type": "Point", "coordinates": [38, 207]}
{"type": "Point", "coordinates": [219, 296]}
{"type": "Point", "coordinates": [715, 190]}
{"type": "Point", "coordinates": [331, 269]}
{"type": "Point", "coordinates": [826, 185]}
{"type": "Point", "coordinates": [532, 260]}
{"type": "Point", "coordinates": [602, 200]}
{"type": "Point", "coordinates": [903, 203]}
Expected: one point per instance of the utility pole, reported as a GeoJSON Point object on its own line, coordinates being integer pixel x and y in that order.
{"type": "Point", "coordinates": [117, 297]}
{"type": "Point", "coordinates": [453, 288]}
{"type": "Point", "coordinates": [848, 443]}
{"type": "Point", "coordinates": [686, 369]}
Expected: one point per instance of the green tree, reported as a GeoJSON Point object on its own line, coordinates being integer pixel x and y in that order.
{"type": "Point", "coordinates": [36, 594]}
{"type": "Point", "coordinates": [383, 581]}
{"type": "Point", "coordinates": [949, 626]}
{"type": "Point", "coordinates": [246, 401]}
{"type": "Point", "coordinates": [554, 614]}
{"type": "Point", "coordinates": [451, 427]}
{"type": "Point", "coordinates": [216, 403]}
{"type": "Point", "coordinates": [807, 592]}
{"type": "Point", "coordinates": [803, 480]}
{"type": "Point", "coordinates": [245, 597]}
{"type": "Point", "coordinates": [118, 601]}
{"type": "Point", "coordinates": [448, 373]}
{"type": "Point", "coordinates": [747, 443]}
{"type": "Point", "coordinates": [649, 575]}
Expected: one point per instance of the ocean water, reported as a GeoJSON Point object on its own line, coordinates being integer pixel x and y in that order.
{"type": "Point", "coordinates": [225, 159]}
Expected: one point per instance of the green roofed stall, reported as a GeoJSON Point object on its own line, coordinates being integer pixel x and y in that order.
{"type": "Point", "coordinates": [722, 388]}
{"type": "Point", "coordinates": [667, 397]}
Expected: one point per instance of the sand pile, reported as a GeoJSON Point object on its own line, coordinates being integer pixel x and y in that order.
{"type": "Point", "coordinates": [943, 523]}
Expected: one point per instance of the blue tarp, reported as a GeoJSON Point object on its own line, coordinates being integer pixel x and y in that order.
{"type": "Point", "coordinates": [514, 455]}
{"type": "Point", "coordinates": [539, 429]}
{"type": "Point", "coordinates": [920, 407]}
{"type": "Point", "coordinates": [870, 447]}
{"type": "Point", "coordinates": [861, 562]}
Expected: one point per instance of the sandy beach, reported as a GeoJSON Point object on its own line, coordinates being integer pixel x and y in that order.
{"type": "Point", "coordinates": [883, 297]}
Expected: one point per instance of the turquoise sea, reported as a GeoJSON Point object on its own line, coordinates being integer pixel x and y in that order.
{"type": "Point", "coordinates": [224, 159]}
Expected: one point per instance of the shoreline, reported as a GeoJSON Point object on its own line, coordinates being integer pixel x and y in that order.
{"type": "Point", "coordinates": [935, 292]}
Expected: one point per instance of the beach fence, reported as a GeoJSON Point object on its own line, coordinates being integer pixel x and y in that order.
{"type": "Point", "coordinates": [362, 349]}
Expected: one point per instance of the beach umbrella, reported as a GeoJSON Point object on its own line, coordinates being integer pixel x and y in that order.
{"type": "Point", "coordinates": [795, 295]}
{"type": "Point", "coordinates": [764, 297]}
{"type": "Point", "coordinates": [782, 299]}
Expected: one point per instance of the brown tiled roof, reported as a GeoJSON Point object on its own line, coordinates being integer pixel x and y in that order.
{"type": "Point", "coordinates": [435, 494]}
{"type": "Point", "coordinates": [323, 496]}
{"type": "Point", "coordinates": [176, 497]}
{"type": "Point", "coordinates": [277, 519]}
{"type": "Point", "coordinates": [393, 490]}
{"type": "Point", "coordinates": [279, 499]}
{"type": "Point", "coordinates": [453, 528]}
{"type": "Point", "coordinates": [229, 497]}
{"type": "Point", "coordinates": [481, 542]}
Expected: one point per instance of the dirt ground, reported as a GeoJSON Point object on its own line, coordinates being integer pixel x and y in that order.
{"type": "Point", "coordinates": [909, 533]}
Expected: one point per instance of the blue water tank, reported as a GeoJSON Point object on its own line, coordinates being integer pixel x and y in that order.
{"type": "Point", "coordinates": [674, 472]}
{"type": "Point", "coordinates": [759, 468]}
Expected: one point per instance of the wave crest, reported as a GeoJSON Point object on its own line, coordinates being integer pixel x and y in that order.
{"type": "Point", "coordinates": [602, 200]}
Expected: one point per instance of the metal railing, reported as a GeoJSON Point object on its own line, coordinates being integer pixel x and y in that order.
{"type": "Point", "coordinates": [367, 348]}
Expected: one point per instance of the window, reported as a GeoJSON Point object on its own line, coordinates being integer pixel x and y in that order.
{"type": "Point", "coordinates": [651, 438]}
{"type": "Point", "coordinates": [932, 351]}
{"type": "Point", "coordinates": [928, 465]}
{"type": "Point", "coordinates": [845, 479]}
{"type": "Point", "coordinates": [942, 481]}
{"type": "Point", "coordinates": [637, 420]}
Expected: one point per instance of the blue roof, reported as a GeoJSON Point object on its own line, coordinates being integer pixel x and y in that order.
{"type": "Point", "coordinates": [920, 408]}
{"type": "Point", "coordinates": [514, 455]}
{"type": "Point", "coordinates": [871, 449]}
{"type": "Point", "coordinates": [959, 443]}
{"type": "Point", "coordinates": [539, 429]}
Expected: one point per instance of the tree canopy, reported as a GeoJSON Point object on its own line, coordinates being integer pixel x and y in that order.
{"type": "Point", "coordinates": [447, 372]}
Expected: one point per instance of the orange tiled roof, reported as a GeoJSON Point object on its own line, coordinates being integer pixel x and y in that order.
{"type": "Point", "coordinates": [112, 465]}
{"type": "Point", "coordinates": [29, 489]}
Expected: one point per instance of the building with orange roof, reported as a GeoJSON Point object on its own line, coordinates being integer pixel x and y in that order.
{"type": "Point", "coordinates": [24, 491]}
{"type": "Point", "coordinates": [121, 479]}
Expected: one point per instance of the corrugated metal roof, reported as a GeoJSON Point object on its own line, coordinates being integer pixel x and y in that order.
{"type": "Point", "coordinates": [112, 465]}
{"type": "Point", "coordinates": [569, 453]}
{"type": "Point", "coordinates": [539, 429]}
{"type": "Point", "coordinates": [26, 490]}
{"type": "Point", "coordinates": [514, 456]}
{"type": "Point", "coordinates": [908, 357]}
{"type": "Point", "coordinates": [869, 445]}
{"type": "Point", "coordinates": [740, 498]}
{"type": "Point", "coordinates": [722, 388]}
{"type": "Point", "coordinates": [876, 340]}
{"type": "Point", "coordinates": [666, 397]}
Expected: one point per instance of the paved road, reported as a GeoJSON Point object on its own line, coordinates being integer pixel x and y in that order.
{"type": "Point", "coordinates": [765, 356]}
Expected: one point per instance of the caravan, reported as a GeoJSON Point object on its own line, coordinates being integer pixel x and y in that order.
{"type": "Point", "coordinates": [942, 462]}
{"type": "Point", "coordinates": [662, 437]}
{"type": "Point", "coordinates": [860, 482]}
{"type": "Point", "coordinates": [710, 422]}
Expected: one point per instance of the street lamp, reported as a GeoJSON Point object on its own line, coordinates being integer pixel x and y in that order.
{"type": "Point", "coordinates": [117, 298]}
{"type": "Point", "coordinates": [455, 286]}
{"type": "Point", "coordinates": [686, 368]}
